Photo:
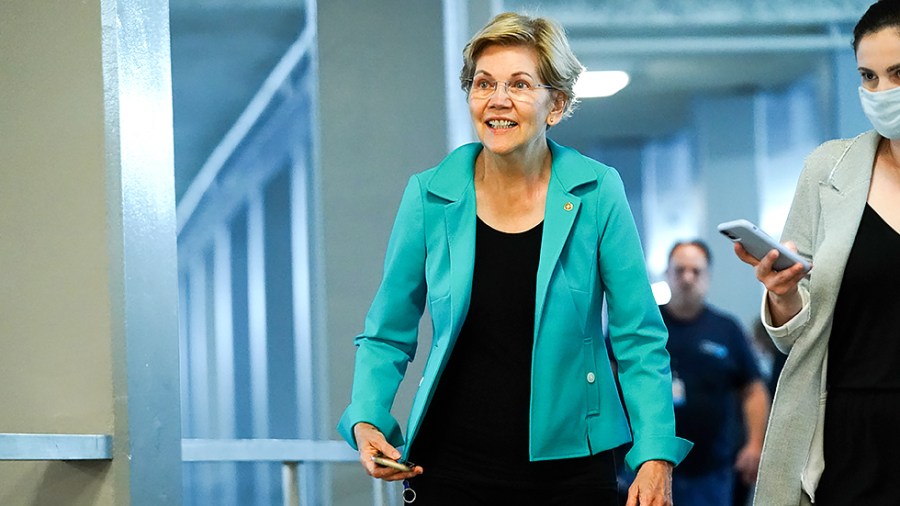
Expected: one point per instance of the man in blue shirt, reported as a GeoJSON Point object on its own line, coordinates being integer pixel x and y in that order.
{"type": "Point", "coordinates": [715, 378]}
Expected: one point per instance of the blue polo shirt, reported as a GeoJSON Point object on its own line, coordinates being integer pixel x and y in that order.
{"type": "Point", "coordinates": [713, 361]}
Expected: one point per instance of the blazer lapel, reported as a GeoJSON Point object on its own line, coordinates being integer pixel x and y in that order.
{"type": "Point", "coordinates": [460, 220]}
{"type": "Point", "coordinates": [842, 197]}
{"type": "Point", "coordinates": [454, 184]}
{"type": "Point", "coordinates": [561, 208]}
{"type": "Point", "coordinates": [844, 193]}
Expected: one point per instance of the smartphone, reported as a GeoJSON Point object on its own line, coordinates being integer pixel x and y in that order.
{"type": "Point", "coordinates": [381, 460]}
{"type": "Point", "coordinates": [758, 243]}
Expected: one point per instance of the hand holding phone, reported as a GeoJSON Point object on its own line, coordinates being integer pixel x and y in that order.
{"type": "Point", "coordinates": [381, 460]}
{"type": "Point", "coordinates": [759, 244]}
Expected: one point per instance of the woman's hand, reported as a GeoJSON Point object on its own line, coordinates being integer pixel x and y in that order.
{"type": "Point", "coordinates": [782, 287]}
{"type": "Point", "coordinates": [652, 486]}
{"type": "Point", "coordinates": [371, 442]}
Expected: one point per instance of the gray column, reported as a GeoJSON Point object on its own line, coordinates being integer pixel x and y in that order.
{"type": "Point", "coordinates": [671, 200]}
{"type": "Point", "coordinates": [726, 153]}
{"type": "Point", "coordinates": [143, 262]}
{"type": "Point", "coordinates": [626, 157]}
{"type": "Point", "coordinates": [381, 118]}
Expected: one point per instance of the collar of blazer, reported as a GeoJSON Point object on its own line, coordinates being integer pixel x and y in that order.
{"type": "Point", "coordinates": [452, 182]}
{"type": "Point", "coordinates": [454, 174]}
{"type": "Point", "coordinates": [853, 166]}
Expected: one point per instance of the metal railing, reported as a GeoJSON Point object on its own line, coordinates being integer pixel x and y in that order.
{"type": "Point", "coordinates": [55, 447]}
{"type": "Point", "coordinates": [291, 453]}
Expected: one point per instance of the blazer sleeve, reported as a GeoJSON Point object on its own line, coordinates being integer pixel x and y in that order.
{"type": "Point", "coordinates": [801, 227]}
{"type": "Point", "coordinates": [636, 331]}
{"type": "Point", "coordinates": [389, 338]}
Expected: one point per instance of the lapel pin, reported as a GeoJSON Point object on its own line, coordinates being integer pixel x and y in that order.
{"type": "Point", "coordinates": [568, 206]}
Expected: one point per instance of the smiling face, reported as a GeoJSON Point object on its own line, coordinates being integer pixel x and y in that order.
{"type": "Point", "coordinates": [506, 126]}
{"type": "Point", "coordinates": [878, 59]}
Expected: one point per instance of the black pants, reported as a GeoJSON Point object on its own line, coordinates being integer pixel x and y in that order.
{"type": "Point", "coordinates": [861, 448]}
{"type": "Point", "coordinates": [595, 487]}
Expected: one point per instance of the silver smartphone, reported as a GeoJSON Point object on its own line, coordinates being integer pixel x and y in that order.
{"type": "Point", "coordinates": [759, 243]}
{"type": "Point", "coordinates": [381, 460]}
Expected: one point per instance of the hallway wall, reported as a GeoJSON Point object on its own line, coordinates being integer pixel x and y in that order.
{"type": "Point", "coordinates": [55, 326]}
{"type": "Point", "coordinates": [87, 249]}
{"type": "Point", "coordinates": [381, 118]}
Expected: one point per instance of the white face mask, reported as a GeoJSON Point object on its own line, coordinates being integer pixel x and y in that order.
{"type": "Point", "coordinates": [883, 110]}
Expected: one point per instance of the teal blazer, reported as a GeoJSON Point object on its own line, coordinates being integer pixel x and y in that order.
{"type": "Point", "coordinates": [589, 250]}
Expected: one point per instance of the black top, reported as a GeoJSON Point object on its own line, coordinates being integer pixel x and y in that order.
{"type": "Point", "coordinates": [864, 348]}
{"type": "Point", "coordinates": [477, 424]}
{"type": "Point", "coordinates": [861, 442]}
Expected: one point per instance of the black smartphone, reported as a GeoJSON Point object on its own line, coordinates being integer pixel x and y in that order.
{"type": "Point", "coordinates": [759, 243]}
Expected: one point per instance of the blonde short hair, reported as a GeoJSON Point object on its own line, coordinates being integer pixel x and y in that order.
{"type": "Point", "coordinates": [557, 64]}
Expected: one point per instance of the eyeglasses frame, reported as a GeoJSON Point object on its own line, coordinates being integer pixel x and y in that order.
{"type": "Point", "coordinates": [514, 96]}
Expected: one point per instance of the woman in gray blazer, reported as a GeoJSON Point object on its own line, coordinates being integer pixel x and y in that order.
{"type": "Point", "coordinates": [839, 323]}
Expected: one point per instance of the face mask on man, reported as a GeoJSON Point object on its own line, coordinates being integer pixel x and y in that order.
{"type": "Point", "coordinates": [883, 110]}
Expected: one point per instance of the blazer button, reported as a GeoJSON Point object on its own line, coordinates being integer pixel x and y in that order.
{"type": "Point", "coordinates": [591, 377]}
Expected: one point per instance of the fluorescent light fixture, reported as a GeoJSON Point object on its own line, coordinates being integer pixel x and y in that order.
{"type": "Point", "coordinates": [661, 292]}
{"type": "Point", "coordinates": [601, 83]}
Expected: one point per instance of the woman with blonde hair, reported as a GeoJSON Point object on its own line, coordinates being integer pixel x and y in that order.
{"type": "Point", "coordinates": [513, 243]}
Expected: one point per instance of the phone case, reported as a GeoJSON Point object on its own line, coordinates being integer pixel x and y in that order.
{"type": "Point", "coordinates": [386, 462]}
{"type": "Point", "coordinates": [758, 243]}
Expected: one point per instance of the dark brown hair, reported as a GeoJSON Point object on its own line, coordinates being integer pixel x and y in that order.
{"type": "Point", "coordinates": [880, 15]}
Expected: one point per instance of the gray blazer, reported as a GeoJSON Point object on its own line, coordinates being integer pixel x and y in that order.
{"type": "Point", "coordinates": [825, 214]}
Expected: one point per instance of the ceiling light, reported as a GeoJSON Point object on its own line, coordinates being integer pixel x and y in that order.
{"type": "Point", "coordinates": [601, 83]}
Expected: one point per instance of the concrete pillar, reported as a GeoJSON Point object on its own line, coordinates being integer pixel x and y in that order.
{"type": "Point", "coordinates": [88, 292]}
{"type": "Point", "coordinates": [382, 117]}
{"type": "Point", "coordinates": [726, 152]}
{"type": "Point", "coordinates": [626, 157]}
{"type": "Point", "coordinates": [791, 127]}
{"type": "Point", "coordinates": [671, 202]}
{"type": "Point", "coordinates": [750, 150]}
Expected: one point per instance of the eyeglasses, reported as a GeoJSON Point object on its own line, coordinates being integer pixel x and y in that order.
{"type": "Point", "coordinates": [521, 89]}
